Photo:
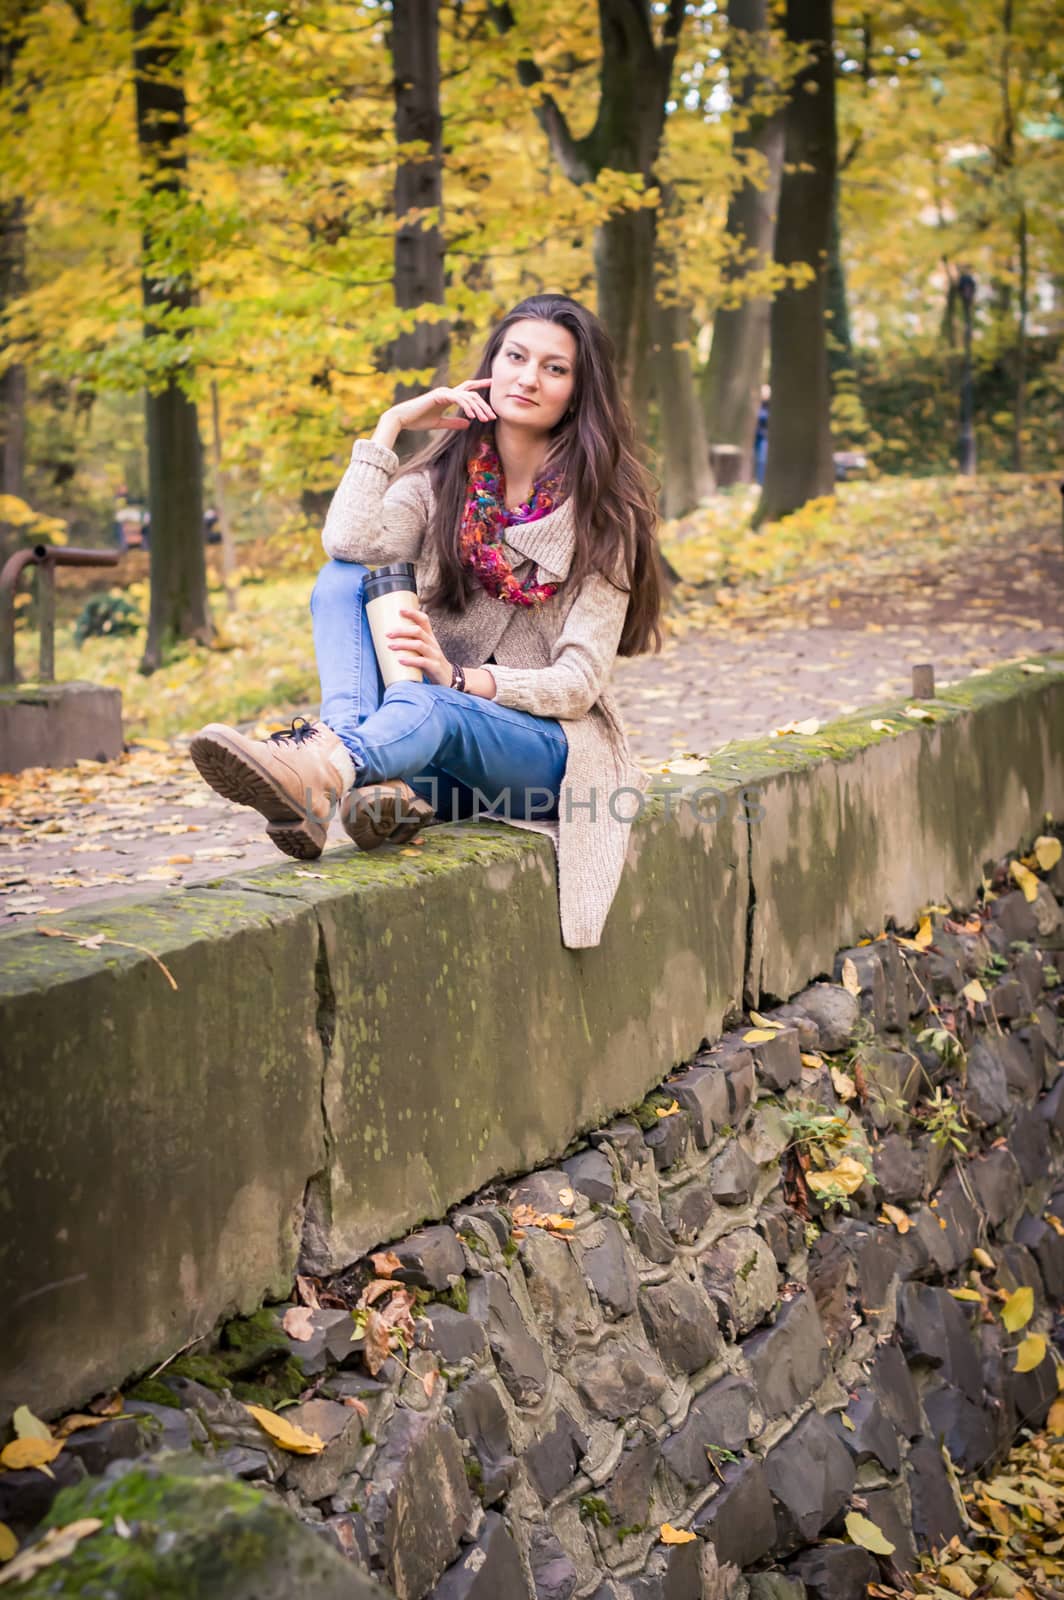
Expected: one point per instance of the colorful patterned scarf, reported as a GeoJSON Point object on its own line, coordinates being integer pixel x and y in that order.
{"type": "Point", "coordinates": [485, 517]}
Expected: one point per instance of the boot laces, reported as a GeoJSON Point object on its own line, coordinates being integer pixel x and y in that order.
{"type": "Point", "coordinates": [299, 732]}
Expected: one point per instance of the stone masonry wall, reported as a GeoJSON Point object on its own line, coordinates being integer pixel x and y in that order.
{"type": "Point", "coordinates": [702, 1317]}
{"type": "Point", "coordinates": [208, 1091]}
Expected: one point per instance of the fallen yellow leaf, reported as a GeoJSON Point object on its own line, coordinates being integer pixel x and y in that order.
{"type": "Point", "coordinates": [1047, 851]}
{"type": "Point", "coordinates": [8, 1543]}
{"type": "Point", "coordinates": [765, 1022]}
{"type": "Point", "coordinates": [974, 991]}
{"type": "Point", "coordinates": [1018, 1309]}
{"type": "Point", "coordinates": [27, 1426]}
{"type": "Point", "coordinates": [1000, 1519]}
{"type": "Point", "coordinates": [686, 766]}
{"type": "Point", "coordinates": [901, 1220]}
{"type": "Point", "coordinates": [668, 1111]}
{"type": "Point", "coordinates": [285, 1434]}
{"type": "Point", "coordinates": [55, 1546]}
{"type": "Point", "coordinates": [956, 1580]}
{"type": "Point", "coordinates": [1025, 878]}
{"type": "Point", "coordinates": [32, 1452]}
{"type": "Point", "coordinates": [982, 1258]}
{"type": "Point", "coordinates": [845, 1087]}
{"type": "Point", "coordinates": [1030, 1354]}
{"type": "Point", "coordinates": [1055, 1420]}
{"type": "Point", "coordinates": [863, 1532]}
{"type": "Point", "coordinates": [924, 934]}
{"type": "Point", "coordinates": [811, 1059]}
{"type": "Point", "coordinates": [671, 1535]}
{"type": "Point", "coordinates": [967, 1294]}
{"type": "Point", "coordinates": [848, 1176]}
{"type": "Point", "coordinates": [850, 981]}
{"type": "Point", "coordinates": [759, 1036]}
{"type": "Point", "coordinates": [76, 1421]}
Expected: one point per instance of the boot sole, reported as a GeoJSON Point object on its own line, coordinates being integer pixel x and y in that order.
{"type": "Point", "coordinates": [233, 774]}
{"type": "Point", "coordinates": [395, 817]}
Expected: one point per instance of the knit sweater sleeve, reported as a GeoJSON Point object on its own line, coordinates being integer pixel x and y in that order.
{"type": "Point", "coordinates": [372, 519]}
{"type": "Point", "coordinates": [582, 657]}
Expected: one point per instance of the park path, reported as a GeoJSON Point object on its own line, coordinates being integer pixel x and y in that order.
{"type": "Point", "coordinates": [147, 823]}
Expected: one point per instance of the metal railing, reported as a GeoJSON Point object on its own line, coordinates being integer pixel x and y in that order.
{"type": "Point", "coordinates": [45, 557]}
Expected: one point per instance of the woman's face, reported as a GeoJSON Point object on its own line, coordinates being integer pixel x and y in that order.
{"type": "Point", "coordinates": [533, 375]}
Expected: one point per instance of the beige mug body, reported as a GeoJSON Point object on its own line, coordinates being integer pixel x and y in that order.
{"type": "Point", "coordinates": [383, 613]}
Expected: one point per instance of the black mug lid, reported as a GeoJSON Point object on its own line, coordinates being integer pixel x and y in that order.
{"type": "Point", "coordinates": [397, 569]}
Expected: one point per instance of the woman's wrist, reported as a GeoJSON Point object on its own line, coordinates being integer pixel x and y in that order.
{"type": "Point", "coordinates": [388, 429]}
{"type": "Point", "coordinates": [479, 681]}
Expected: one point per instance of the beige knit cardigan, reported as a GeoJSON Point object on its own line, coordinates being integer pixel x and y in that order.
{"type": "Point", "coordinates": [553, 660]}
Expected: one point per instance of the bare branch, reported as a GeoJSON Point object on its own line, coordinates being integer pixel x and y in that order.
{"type": "Point", "coordinates": [570, 153]}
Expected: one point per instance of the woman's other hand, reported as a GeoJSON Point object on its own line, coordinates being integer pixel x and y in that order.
{"type": "Point", "coordinates": [415, 645]}
{"type": "Point", "coordinates": [427, 410]}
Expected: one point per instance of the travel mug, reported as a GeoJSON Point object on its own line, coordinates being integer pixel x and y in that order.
{"type": "Point", "coordinates": [385, 590]}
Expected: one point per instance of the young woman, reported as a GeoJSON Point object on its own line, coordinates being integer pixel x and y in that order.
{"type": "Point", "coordinates": [531, 525]}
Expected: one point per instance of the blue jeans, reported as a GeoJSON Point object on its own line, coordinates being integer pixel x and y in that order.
{"type": "Point", "coordinates": [462, 753]}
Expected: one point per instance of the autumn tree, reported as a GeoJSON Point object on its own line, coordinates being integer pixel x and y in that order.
{"type": "Point", "coordinates": [735, 370]}
{"type": "Point", "coordinates": [800, 465]}
{"type": "Point", "coordinates": [419, 246]}
{"type": "Point", "coordinates": [12, 283]}
{"type": "Point", "coordinates": [634, 77]}
{"type": "Point", "coordinates": [682, 439]}
{"type": "Point", "coordinates": [178, 607]}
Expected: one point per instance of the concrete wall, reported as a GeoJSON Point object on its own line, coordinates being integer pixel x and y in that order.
{"type": "Point", "coordinates": [346, 1055]}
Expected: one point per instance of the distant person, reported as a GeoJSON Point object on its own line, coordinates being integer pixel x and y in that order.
{"type": "Point", "coordinates": [212, 526]}
{"type": "Point", "coordinates": [761, 435]}
{"type": "Point", "coordinates": [129, 527]}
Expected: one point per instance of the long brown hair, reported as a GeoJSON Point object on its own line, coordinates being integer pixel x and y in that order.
{"type": "Point", "coordinates": [614, 501]}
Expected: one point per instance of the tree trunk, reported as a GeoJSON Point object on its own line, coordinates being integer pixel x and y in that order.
{"type": "Point", "coordinates": [13, 381]}
{"type": "Point", "coordinates": [419, 248]}
{"type": "Point", "coordinates": [688, 480]}
{"type": "Point", "coordinates": [221, 502]}
{"type": "Point", "coordinates": [1020, 404]}
{"type": "Point", "coordinates": [731, 383]}
{"type": "Point", "coordinates": [175, 460]}
{"type": "Point", "coordinates": [634, 82]}
{"type": "Point", "coordinates": [624, 269]}
{"type": "Point", "coordinates": [840, 340]}
{"type": "Point", "coordinates": [12, 284]}
{"type": "Point", "coordinates": [799, 465]}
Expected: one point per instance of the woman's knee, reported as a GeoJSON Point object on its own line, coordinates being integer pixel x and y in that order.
{"type": "Point", "coordinates": [337, 580]}
{"type": "Point", "coordinates": [411, 693]}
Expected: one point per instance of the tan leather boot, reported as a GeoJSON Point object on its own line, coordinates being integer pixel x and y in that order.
{"type": "Point", "coordinates": [384, 813]}
{"type": "Point", "coordinates": [288, 777]}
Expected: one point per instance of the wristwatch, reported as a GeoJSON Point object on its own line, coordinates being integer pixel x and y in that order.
{"type": "Point", "coordinates": [457, 676]}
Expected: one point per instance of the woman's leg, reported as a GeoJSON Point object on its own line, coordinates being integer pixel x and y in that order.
{"type": "Point", "coordinates": [446, 744]}
{"type": "Point", "coordinates": [512, 761]}
{"type": "Point", "coordinates": [351, 682]}
{"type": "Point", "coordinates": [352, 686]}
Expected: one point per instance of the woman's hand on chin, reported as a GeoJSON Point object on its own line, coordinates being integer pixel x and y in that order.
{"type": "Point", "coordinates": [427, 410]}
